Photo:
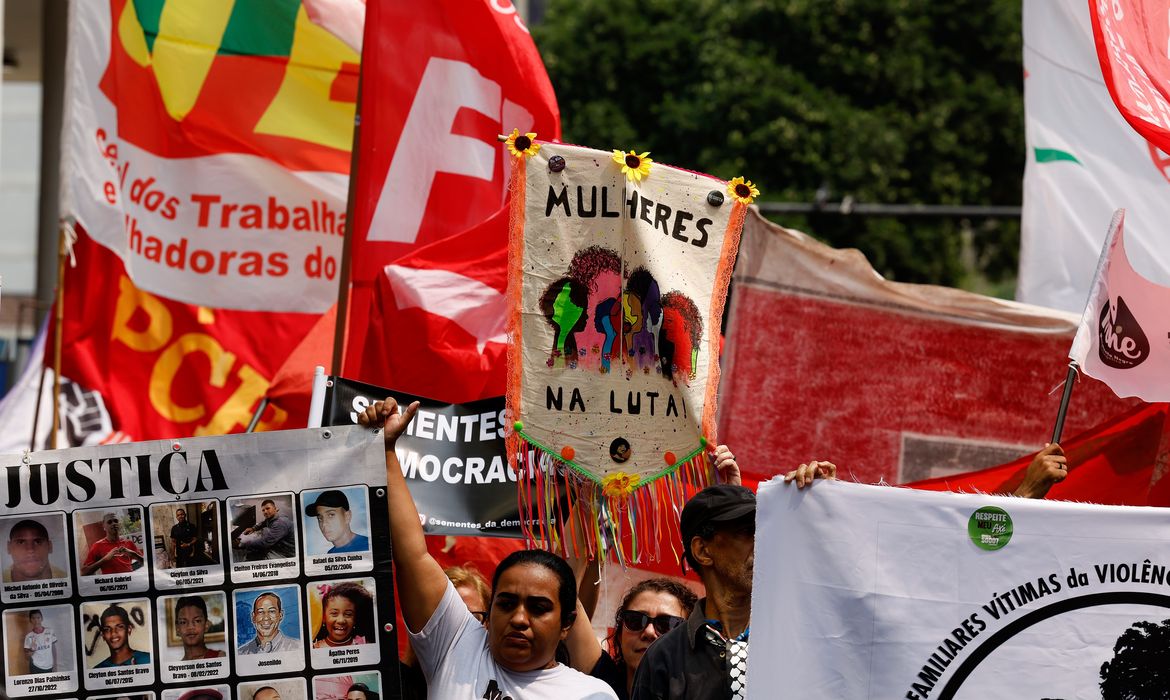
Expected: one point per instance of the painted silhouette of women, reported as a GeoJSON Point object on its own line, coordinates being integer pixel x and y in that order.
{"type": "Point", "coordinates": [563, 306]}
{"type": "Point", "coordinates": [678, 339]}
{"type": "Point", "coordinates": [607, 319]}
{"type": "Point", "coordinates": [642, 312]}
{"type": "Point", "coordinates": [598, 269]}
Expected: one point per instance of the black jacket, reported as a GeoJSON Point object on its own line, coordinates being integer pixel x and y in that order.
{"type": "Point", "coordinates": [689, 662]}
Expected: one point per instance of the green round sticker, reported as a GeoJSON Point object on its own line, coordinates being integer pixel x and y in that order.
{"type": "Point", "coordinates": [990, 528]}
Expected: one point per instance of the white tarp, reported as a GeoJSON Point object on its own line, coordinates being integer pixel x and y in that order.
{"type": "Point", "coordinates": [1083, 162]}
{"type": "Point", "coordinates": [879, 592]}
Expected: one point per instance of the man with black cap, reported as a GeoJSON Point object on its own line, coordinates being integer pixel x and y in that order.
{"type": "Point", "coordinates": [707, 656]}
{"type": "Point", "coordinates": [331, 509]}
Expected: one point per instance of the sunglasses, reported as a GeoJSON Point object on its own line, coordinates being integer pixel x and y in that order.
{"type": "Point", "coordinates": [636, 621]}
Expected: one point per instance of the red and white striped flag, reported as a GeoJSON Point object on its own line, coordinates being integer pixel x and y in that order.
{"type": "Point", "coordinates": [1124, 335]}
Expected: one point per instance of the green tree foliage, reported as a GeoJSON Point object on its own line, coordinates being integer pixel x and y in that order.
{"type": "Point", "coordinates": [886, 101]}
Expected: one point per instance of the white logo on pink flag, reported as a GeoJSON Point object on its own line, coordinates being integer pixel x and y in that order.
{"type": "Point", "coordinates": [1124, 335]}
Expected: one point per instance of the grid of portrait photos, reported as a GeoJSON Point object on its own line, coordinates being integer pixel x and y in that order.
{"type": "Point", "coordinates": [268, 596]}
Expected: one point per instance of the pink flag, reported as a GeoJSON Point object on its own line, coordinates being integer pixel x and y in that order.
{"type": "Point", "coordinates": [1123, 334]}
{"type": "Point", "coordinates": [1131, 40]}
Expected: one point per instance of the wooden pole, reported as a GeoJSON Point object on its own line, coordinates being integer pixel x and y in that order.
{"type": "Point", "coordinates": [60, 315]}
{"type": "Point", "coordinates": [347, 241]}
{"type": "Point", "coordinates": [32, 441]}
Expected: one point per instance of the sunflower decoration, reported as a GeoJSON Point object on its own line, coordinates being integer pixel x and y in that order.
{"type": "Point", "coordinates": [635, 166]}
{"type": "Point", "coordinates": [742, 190]}
{"type": "Point", "coordinates": [619, 484]}
{"type": "Point", "coordinates": [521, 145]}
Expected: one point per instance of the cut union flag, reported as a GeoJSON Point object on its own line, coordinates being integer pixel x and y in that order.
{"type": "Point", "coordinates": [436, 327]}
{"type": "Point", "coordinates": [1124, 335]}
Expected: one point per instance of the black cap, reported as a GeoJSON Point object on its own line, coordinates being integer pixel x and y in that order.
{"type": "Point", "coordinates": [722, 503]}
{"type": "Point", "coordinates": [327, 499]}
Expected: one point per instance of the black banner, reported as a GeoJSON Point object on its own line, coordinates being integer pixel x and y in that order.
{"type": "Point", "coordinates": [452, 455]}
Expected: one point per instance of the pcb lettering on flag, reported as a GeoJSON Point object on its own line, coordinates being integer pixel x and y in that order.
{"type": "Point", "coordinates": [1124, 335]}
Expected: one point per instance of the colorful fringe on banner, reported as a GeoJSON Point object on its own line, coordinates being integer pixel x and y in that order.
{"type": "Point", "coordinates": [565, 506]}
{"type": "Point", "coordinates": [571, 514]}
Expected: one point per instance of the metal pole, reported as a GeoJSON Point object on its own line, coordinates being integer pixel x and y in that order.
{"type": "Point", "coordinates": [1069, 380]}
{"type": "Point", "coordinates": [256, 416]}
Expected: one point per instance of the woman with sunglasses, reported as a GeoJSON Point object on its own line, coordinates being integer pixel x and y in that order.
{"type": "Point", "coordinates": [648, 610]}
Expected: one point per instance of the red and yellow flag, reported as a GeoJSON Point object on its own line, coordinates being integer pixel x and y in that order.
{"type": "Point", "coordinates": [206, 158]}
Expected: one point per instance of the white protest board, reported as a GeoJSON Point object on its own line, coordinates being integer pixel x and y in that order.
{"type": "Point", "coordinates": [154, 567]}
{"type": "Point", "coordinates": [879, 592]}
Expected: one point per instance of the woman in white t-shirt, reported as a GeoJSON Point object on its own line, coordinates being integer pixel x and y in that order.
{"type": "Point", "coordinates": [533, 606]}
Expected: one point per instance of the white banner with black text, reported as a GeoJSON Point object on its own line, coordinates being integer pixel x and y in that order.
{"type": "Point", "coordinates": [867, 592]}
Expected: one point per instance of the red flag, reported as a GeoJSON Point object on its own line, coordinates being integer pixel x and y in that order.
{"type": "Point", "coordinates": [1120, 462]}
{"type": "Point", "coordinates": [441, 80]}
{"type": "Point", "coordinates": [437, 323]}
{"type": "Point", "coordinates": [1131, 43]}
{"type": "Point", "coordinates": [165, 368]}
